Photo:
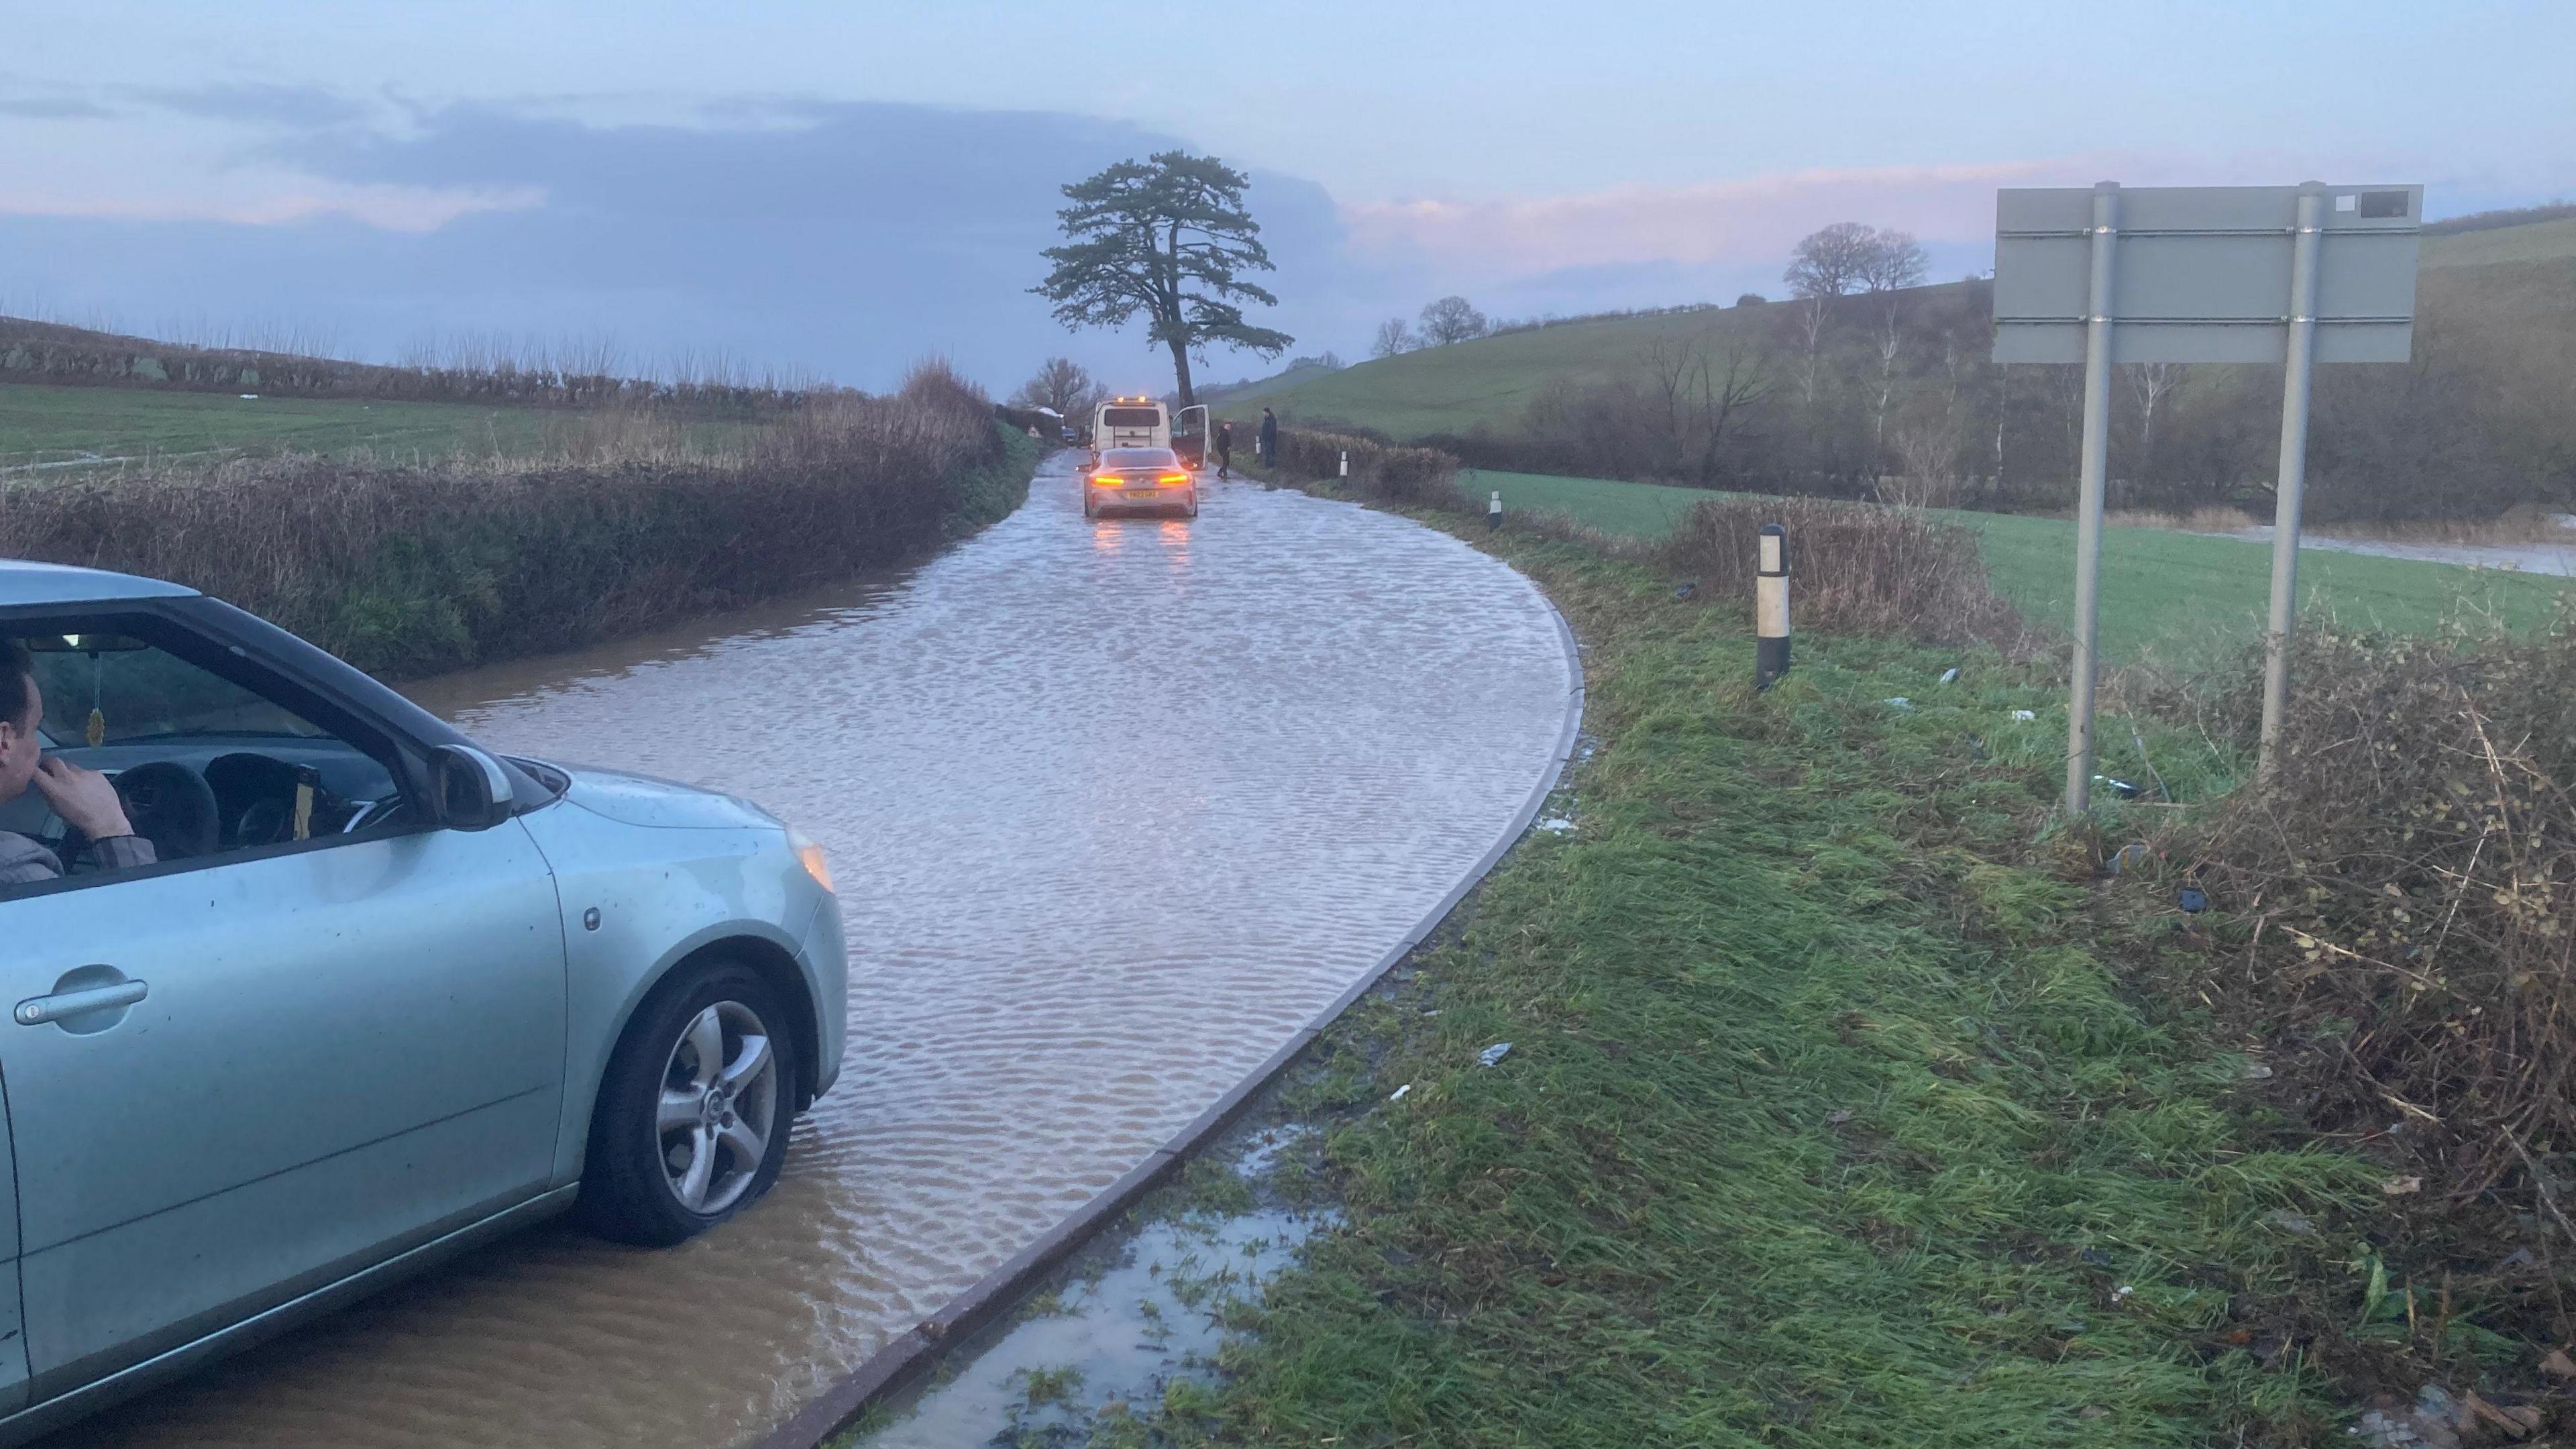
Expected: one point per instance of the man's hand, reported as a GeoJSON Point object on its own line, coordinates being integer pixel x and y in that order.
{"type": "Point", "coordinates": [85, 799]}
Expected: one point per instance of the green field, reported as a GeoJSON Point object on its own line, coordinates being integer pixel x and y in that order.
{"type": "Point", "coordinates": [41, 424]}
{"type": "Point", "coordinates": [54, 432]}
{"type": "Point", "coordinates": [2178, 598]}
{"type": "Point", "coordinates": [1491, 380]}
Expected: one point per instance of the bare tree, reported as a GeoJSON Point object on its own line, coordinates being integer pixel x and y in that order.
{"type": "Point", "coordinates": [1832, 261]}
{"type": "Point", "coordinates": [1928, 443]}
{"type": "Point", "coordinates": [1394, 335]}
{"type": "Point", "coordinates": [2153, 382]}
{"type": "Point", "coordinates": [1061, 384]}
{"type": "Point", "coordinates": [1669, 363]}
{"type": "Point", "coordinates": [1451, 319]}
{"type": "Point", "coordinates": [1827, 263]}
{"type": "Point", "coordinates": [1887, 346]}
{"type": "Point", "coordinates": [1726, 402]}
{"type": "Point", "coordinates": [1891, 261]}
{"type": "Point", "coordinates": [1812, 312]}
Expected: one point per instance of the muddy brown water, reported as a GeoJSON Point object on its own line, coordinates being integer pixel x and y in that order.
{"type": "Point", "coordinates": [1114, 809]}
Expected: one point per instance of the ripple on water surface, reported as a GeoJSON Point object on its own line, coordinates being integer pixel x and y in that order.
{"type": "Point", "coordinates": [1115, 809]}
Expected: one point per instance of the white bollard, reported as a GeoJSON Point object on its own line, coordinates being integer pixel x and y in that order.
{"type": "Point", "coordinates": [1346, 463]}
{"type": "Point", "coordinates": [1494, 511]}
{"type": "Point", "coordinates": [1771, 608]}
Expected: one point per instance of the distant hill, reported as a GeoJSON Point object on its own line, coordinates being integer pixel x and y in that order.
{"type": "Point", "coordinates": [2485, 420]}
{"type": "Point", "coordinates": [1491, 381]}
{"type": "Point", "coordinates": [2512, 284]}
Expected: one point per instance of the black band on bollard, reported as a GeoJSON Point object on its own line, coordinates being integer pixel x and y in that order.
{"type": "Point", "coordinates": [1770, 661]}
{"type": "Point", "coordinates": [1771, 607]}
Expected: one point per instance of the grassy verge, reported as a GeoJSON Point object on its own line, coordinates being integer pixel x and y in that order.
{"type": "Point", "coordinates": [2180, 599]}
{"type": "Point", "coordinates": [1825, 1120]}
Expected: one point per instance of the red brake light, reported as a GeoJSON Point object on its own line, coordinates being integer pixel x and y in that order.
{"type": "Point", "coordinates": [1174, 478]}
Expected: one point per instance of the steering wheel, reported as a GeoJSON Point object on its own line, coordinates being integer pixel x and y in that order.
{"type": "Point", "coordinates": [172, 806]}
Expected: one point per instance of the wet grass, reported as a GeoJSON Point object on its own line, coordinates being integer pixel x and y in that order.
{"type": "Point", "coordinates": [2177, 599]}
{"type": "Point", "coordinates": [1825, 1121]}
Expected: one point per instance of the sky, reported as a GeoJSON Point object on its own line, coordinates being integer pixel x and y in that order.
{"type": "Point", "coordinates": [839, 189]}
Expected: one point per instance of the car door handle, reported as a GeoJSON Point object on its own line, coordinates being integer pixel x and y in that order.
{"type": "Point", "coordinates": [37, 1010]}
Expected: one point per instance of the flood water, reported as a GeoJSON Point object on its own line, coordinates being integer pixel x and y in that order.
{"type": "Point", "coordinates": [1114, 809]}
{"type": "Point", "coordinates": [2529, 558]}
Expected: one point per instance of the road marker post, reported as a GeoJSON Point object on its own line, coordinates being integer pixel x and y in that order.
{"type": "Point", "coordinates": [1494, 511]}
{"type": "Point", "coordinates": [1771, 608]}
{"type": "Point", "coordinates": [1346, 462]}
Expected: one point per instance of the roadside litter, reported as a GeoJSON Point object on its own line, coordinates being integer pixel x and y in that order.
{"type": "Point", "coordinates": [1493, 1054]}
{"type": "Point", "coordinates": [1398, 1094]}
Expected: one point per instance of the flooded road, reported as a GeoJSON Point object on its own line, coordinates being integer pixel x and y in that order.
{"type": "Point", "coordinates": [1114, 810]}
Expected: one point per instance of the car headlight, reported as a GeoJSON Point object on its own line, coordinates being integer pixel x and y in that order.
{"type": "Point", "coordinates": [810, 856]}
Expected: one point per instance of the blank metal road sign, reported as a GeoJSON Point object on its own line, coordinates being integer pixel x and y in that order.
{"type": "Point", "coordinates": [2202, 273]}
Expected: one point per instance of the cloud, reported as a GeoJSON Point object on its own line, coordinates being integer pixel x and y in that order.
{"type": "Point", "coordinates": [301, 107]}
{"type": "Point", "coordinates": [54, 108]}
{"type": "Point", "coordinates": [277, 199]}
{"type": "Point", "coordinates": [1722, 223]}
{"type": "Point", "coordinates": [844, 239]}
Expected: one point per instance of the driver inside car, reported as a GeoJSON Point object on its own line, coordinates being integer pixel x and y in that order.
{"type": "Point", "coordinates": [85, 799]}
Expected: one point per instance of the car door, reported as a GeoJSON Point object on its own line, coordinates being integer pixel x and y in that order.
{"type": "Point", "coordinates": [285, 1067]}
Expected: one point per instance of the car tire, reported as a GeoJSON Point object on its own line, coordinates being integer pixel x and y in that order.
{"type": "Point", "coordinates": [1193, 510]}
{"type": "Point", "coordinates": [662, 1169]}
{"type": "Point", "coordinates": [1090, 508]}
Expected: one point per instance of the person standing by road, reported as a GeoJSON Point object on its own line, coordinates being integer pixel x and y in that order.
{"type": "Point", "coordinates": [1224, 449]}
{"type": "Point", "coordinates": [1269, 439]}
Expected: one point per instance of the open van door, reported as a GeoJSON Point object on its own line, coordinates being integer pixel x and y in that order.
{"type": "Point", "coordinates": [1190, 434]}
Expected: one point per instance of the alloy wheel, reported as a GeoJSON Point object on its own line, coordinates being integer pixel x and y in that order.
{"type": "Point", "coordinates": [718, 1108]}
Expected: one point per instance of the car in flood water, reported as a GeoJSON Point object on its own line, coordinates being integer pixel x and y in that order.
{"type": "Point", "coordinates": [338, 994]}
{"type": "Point", "coordinates": [1139, 479]}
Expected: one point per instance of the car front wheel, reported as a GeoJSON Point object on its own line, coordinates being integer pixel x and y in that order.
{"type": "Point", "coordinates": [693, 1112]}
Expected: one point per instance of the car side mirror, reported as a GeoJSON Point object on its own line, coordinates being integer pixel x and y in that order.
{"type": "Point", "coordinates": [473, 790]}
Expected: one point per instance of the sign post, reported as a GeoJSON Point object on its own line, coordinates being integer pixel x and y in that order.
{"type": "Point", "coordinates": [2297, 372]}
{"type": "Point", "coordinates": [2093, 481]}
{"type": "Point", "coordinates": [2242, 274]}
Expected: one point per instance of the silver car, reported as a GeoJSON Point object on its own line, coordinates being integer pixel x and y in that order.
{"type": "Point", "coordinates": [383, 996]}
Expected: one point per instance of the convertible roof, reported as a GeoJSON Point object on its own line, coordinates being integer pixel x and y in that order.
{"type": "Point", "coordinates": [23, 581]}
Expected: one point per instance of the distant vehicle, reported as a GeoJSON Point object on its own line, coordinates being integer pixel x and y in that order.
{"type": "Point", "coordinates": [1139, 478]}
{"type": "Point", "coordinates": [378, 996]}
{"type": "Point", "coordinates": [1130, 422]}
{"type": "Point", "coordinates": [1070, 437]}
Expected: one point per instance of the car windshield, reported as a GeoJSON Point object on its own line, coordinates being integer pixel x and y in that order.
{"type": "Point", "coordinates": [106, 689]}
{"type": "Point", "coordinates": [1140, 458]}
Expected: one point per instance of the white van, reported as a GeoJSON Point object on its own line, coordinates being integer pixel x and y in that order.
{"type": "Point", "coordinates": [1130, 422]}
